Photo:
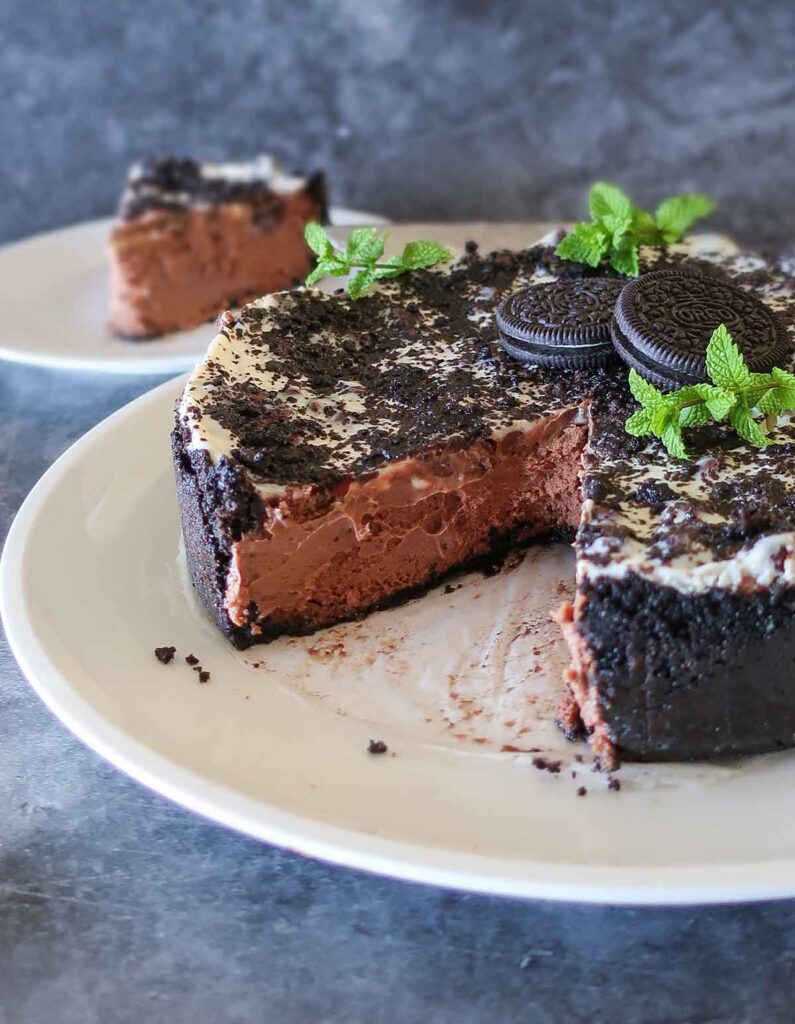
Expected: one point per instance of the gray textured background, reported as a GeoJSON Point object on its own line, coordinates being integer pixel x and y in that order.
{"type": "Point", "coordinates": [116, 906]}
{"type": "Point", "coordinates": [429, 109]}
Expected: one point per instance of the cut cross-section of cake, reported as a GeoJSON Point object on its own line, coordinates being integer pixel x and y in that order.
{"type": "Point", "coordinates": [192, 239]}
{"type": "Point", "coordinates": [334, 456]}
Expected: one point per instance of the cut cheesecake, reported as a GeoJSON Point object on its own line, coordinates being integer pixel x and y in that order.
{"type": "Point", "coordinates": [192, 239]}
{"type": "Point", "coordinates": [334, 456]}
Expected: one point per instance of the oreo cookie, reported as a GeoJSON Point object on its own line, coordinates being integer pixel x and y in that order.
{"type": "Point", "coordinates": [663, 322]}
{"type": "Point", "coordinates": [565, 323]}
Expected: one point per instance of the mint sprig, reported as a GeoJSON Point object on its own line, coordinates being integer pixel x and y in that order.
{"type": "Point", "coordinates": [362, 253]}
{"type": "Point", "coordinates": [733, 393]}
{"type": "Point", "coordinates": [618, 228]}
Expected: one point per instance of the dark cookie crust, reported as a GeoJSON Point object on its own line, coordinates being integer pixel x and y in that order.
{"type": "Point", "coordinates": [690, 676]}
{"type": "Point", "coordinates": [217, 505]}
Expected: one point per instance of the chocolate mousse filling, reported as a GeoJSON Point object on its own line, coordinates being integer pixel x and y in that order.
{"type": "Point", "coordinates": [401, 529]}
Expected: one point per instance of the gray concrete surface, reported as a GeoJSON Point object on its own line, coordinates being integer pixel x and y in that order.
{"type": "Point", "coordinates": [423, 109]}
{"type": "Point", "coordinates": [116, 906]}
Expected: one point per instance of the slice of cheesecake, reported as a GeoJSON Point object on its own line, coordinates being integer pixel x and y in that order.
{"type": "Point", "coordinates": [334, 456]}
{"type": "Point", "coordinates": [194, 238]}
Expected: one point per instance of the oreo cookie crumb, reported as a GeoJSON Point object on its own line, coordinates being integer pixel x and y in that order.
{"type": "Point", "coordinates": [191, 659]}
{"type": "Point", "coordinates": [614, 784]}
{"type": "Point", "coordinates": [582, 791]}
{"type": "Point", "coordinates": [545, 765]}
{"type": "Point", "coordinates": [377, 747]}
{"type": "Point", "coordinates": [165, 654]}
{"type": "Point", "coordinates": [204, 676]}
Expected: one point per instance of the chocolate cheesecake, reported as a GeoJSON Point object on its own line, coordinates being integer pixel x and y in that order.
{"type": "Point", "coordinates": [192, 239]}
{"type": "Point", "coordinates": [333, 457]}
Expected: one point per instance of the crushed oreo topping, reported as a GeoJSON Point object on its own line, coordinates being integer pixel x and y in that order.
{"type": "Point", "coordinates": [165, 654]}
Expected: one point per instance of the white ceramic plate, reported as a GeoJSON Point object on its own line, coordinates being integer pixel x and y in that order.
{"type": "Point", "coordinates": [275, 744]}
{"type": "Point", "coordinates": [54, 292]}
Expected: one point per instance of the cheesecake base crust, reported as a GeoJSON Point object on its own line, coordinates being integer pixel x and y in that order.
{"type": "Point", "coordinates": [660, 675]}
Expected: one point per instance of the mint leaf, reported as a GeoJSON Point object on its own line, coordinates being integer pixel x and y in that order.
{"type": "Point", "coordinates": [672, 439]}
{"type": "Point", "coordinates": [610, 206]}
{"type": "Point", "coordinates": [717, 400]}
{"type": "Point", "coordinates": [317, 239]}
{"type": "Point", "coordinates": [419, 255]}
{"type": "Point", "coordinates": [618, 227]}
{"type": "Point", "coordinates": [786, 398]}
{"type": "Point", "coordinates": [685, 395]}
{"type": "Point", "coordinates": [361, 282]}
{"type": "Point", "coordinates": [746, 426]}
{"type": "Point", "coordinates": [783, 377]}
{"type": "Point", "coordinates": [674, 216]}
{"type": "Point", "coordinates": [644, 228]}
{"type": "Point", "coordinates": [661, 418]}
{"type": "Point", "coordinates": [644, 391]}
{"type": "Point", "coordinates": [365, 245]}
{"type": "Point", "coordinates": [338, 265]}
{"type": "Point", "coordinates": [781, 397]}
{"type": "Point", "coordinates": [585, 243]}
{"type": "Point", "coordinates": [733, 393]}
{"type": "Point", "coordinates": [771, 403]}
{"type": "Point", "coordinates": [639, 423]}
{"type": "Point", "coordinates": [391, 267]}
{"type": "Point", "coordinates": [624, 257]}
{"type": "Point", "coordinates": [725, 364]}
{"type": "Point", "coordinates": [694, 416]}
{"type": "Point", "coordinates": [316, 275]}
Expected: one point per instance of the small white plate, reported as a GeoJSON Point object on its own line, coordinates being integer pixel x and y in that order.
{"type": "Point", "coordinates": [275, 744]}
{"type": "Point", "coordinates": [54, 291]}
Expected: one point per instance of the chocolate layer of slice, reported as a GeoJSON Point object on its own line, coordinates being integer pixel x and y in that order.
{"type": "Point", "coordinates": [193, 238]}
